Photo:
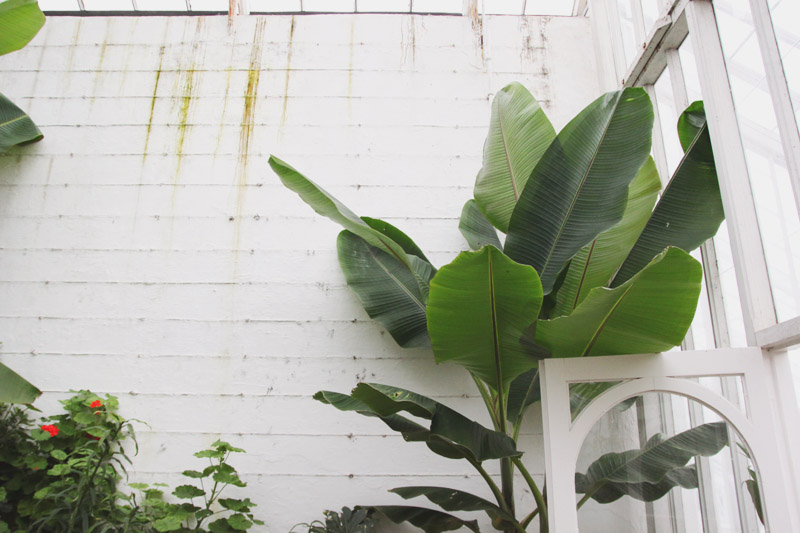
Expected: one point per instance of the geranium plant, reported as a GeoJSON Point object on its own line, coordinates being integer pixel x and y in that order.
{"type": "Point", "coordinates": [591, 264]}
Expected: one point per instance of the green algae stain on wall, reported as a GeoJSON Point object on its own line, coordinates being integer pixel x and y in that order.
{"type": "Point", "coordinates": [153, 104]}
{"type": "Point", "coordinates": [288, 73]}
{"type": "Point", "coordinates": [246, 128]}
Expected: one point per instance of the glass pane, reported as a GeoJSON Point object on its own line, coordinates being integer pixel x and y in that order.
{"type": "Point", "coordinates": [551, 7]}
{"type": "Point", "coordinates": [794, 360]}
{"type": "Point", "coordinates": [627, 484]}
{"type": "Point", "coordinates": [110, 5]}
{"type": "Point", "coordinates": [502, 7]}
{"type": "Point", "coordinates": [689, 65]}
{"type": "Point", "coordinates": [397, 6]}
{"type": "Point", "coordinates": [651, 10]}
{"type": "Point", "coordinates": [274, 6]}
{"type": "Point", "coordinates": [669, 121]}
{"type": "Point", "coordinates": [772, 192]}
{"type": "Point", "coordinates": [436, 6]}
{"type": "Point", "coordinates": [628, 32]}
{"type": "Point", "coordinates": [785, 14]}
{"type": "Point", "coordinates": [702, 329]}
{"type": "Point", "coordinates": [59, 5]}
{"type": "Point", "coordinates": [329, 6]}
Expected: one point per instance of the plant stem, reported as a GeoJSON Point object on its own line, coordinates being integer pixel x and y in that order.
{"type": "Point", "coordinates": [492, 485]}
{"type": "Point", "coordinates": [487, 399]}
{"type": "Point", "coordinates": [530, 517]}
{"type": "Point", "coordinates": [537, 495]}
{"type": "Point", "coordinates": [524, 407]}
{"type": "Point", "coordinates": [586, 498]}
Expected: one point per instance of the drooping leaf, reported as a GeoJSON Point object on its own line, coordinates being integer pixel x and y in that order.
{"type": "Point", "coordinates": [479, 307]}
{"type": "Point", "coordinates": [396, 235]}
{"type": "Point", "coordinates": [656, 459]}
{"type": "Point", "coordinates": [388, 289]}
{"type": "Point", "coordinates": [579, 187]}
{"type": "Point", "coordinates": [651, 312]}
{"type": "Point", "coordinates": [187, 491]}
{"type": "Point", "coordinates": [685, 477]}
{"type": "Point", "coordinates": [16, 127]}
{"type": "Point", "coordinates": [14, 388]}
{"type": "Point", "coordinates": [451, 434]}
{"type": "Point", "coordinates": [595, 264]}
{"type": "Point", "coordinates": [519, 133]}
{"type": "Point", "coordinates": [582, 394]}
{"type": "Point", "coordinates": [428, 520]}
{"type": "Point", "coordinates": [20, 21]}
{"type": "Point", "coordinates": [454, 500]}
{"type": "Point", "coordinates": [690, 123]}
{"type": "Point", "coordinates": [326, 205]}
{"type": "Point", "coordinates": [524, 391]}
{"type": "Point", "coordinates": [690, 210]}
{"type": "Point", "coordinates": [476, 228]}
{"type": "Point", "coordinates": [755, 493]}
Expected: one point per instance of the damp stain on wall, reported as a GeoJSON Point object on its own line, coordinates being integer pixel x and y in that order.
{"type": "Point", "coordinates": [153, 104]}
{"type": "Point", "coordinates": [288, 72]}
{"type": "Point", "coordinates": [246, 128]}
{"type": "Point", "coordinates": [187, 93]}
{"type": "Point", "coordinates": [350, 69]}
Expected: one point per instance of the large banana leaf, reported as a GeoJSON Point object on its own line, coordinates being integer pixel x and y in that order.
{"type": "Point", "coordinates": [14, 388]}
{"type": "Point", "coordinates": [20, 21]}
{"type": "Point", "coordinates": [519, 133]}
{"type": "Point", "coordinates": [390, 292]}
{"type": "Point", "coordinates": [454, 500]}
{"type": "Point", "coordinates": [659, 462]}
{"type": "Point", "coordinates": [524, 391]}
{"type": "Point", "coordinates": [428, 520]}
{"type": "Point", "coordinates": [394, 233]}
{"type": "Point", "coordinates": [451, 434]}
{"type": "Point", "coordinates": [691, 121]}
{"type": "Point", "coordinates": [579, 187]}
{"type": "Point", "coordinates": [651, 312]}
{"type": "Point", "coordinates": [479, 307]}
{"type": "Point", "coordinates": [328, 206]}
{"type": "Point", "coordinates": [476, 228]}
{"type": "Point", "coordinates": [16, 127]}
{"type": "Point", "coordinates": [690, 210]}
{"type": "Point", "coordinates": [611, 491]}
{"type": "Point", "coordinates": [595, 264]}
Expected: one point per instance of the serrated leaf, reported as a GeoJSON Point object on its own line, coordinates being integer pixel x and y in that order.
{"type": "Point", "coordinates": [236, 505]}
{"type": "Point", "coordinates": [59, 470]}
{"type": "Point", "coordinates": [187, 491]}
{"type": "Point", "coordinates": [193, 474]}
{"type": "Point", "coordinates": [59, 455]}
{"type": "Point", "coordinates": [239, 522]}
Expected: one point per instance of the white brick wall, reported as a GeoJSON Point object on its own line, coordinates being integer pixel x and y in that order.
{"type": "Point", "coordinates": [146, 249]}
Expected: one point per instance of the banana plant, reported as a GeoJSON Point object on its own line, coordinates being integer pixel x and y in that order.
{"type": "Point", "coordinates": [20, 21]}
{"type": "Point", "coordinates": [576, 252]}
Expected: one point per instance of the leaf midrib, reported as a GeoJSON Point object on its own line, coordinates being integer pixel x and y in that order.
{"type": "Point", "coordinates": [580, 187]}
{"type": "Point", "coordinates": [506, 153]}
{"type": "Point", "coordinates": [605, 321]}
{"type": "Point", "coordinates": [396, 280]}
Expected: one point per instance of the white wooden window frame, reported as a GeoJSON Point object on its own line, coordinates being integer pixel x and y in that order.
{"type": "Point", "coordinates": [667, 372]}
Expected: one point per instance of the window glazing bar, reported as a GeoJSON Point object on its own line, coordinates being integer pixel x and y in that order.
{"type": "Point", "coordinates": [779, 91]}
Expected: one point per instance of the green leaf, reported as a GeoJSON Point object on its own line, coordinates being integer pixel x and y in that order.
{"type": "Point", "coordinates": [13, 387]}
{"type": "Point", "coordinates": [211, 454]}
{"type": "Point", "coordinates": [20, 21]}
{"type": "Point", "coordinates": [87, 419]}
{"type": "Point", "coordinates": [755, 493]}
{"type": "Point", "coordinates": [454, 500]}
{"type": "Point", "coordinates": [685, 477]}
{"type": "Point", "coordinates": [16, 127]}
{"type": "Point", "coordinates": [582, 394]}
{"type": "Point", "coordinates": [428, 520]}
{"type": "Point", "coordinates": [476, 228]}
{"type": "Point", "coordinates": [59, 455]}
{"type": "Point", "coordinates": [579, 187]}
{"type": "Point", "coordinates": [59, 470]}
{"type": "Point", "coordinates": [691, 121]}
{"type": "Point", "coordinates": [479, 307]}
{"type": "Point", "coordinates": [394, 233]}
{"type": "Point", "coordinates": [138, 486]}
{"type": "Point", "coordinates": [389, 291]}
{"type": "Point", "coordinates": [3, 494]}
{"type": "Point", "coordinates": [595, 264]}
{"type": "Point", "coordinates": [651, 312]}
{"type": "Point", "coordinates": [168, 523]}
{"type": "Point", "coordinates": [239, 522]}
{"type": "Point", "coordinates": [451, 434]}
{"type": "Point", "coordinates": [328, 206]}
{"type": "Point", "coordinates": [36, 462]}
{"type": "Point", "coordinates": [193, 474]}
{"type": "Point", "coordinates": [652, 464]}
{"type": "Point", "coordinates": [187, 492]}
{"type": "Point", "coordinates": [524, 391]}
{"type": "Point", "coordinates": [220, 526]}
{"type": "Point", "coordinates": [519, 133]}
{"type": "Point", "coordinates": [236, 505]}
{"type": "Point", "coordinates": [688, 213]}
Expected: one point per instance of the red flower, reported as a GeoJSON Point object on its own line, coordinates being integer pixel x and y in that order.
{"type": "Point", "coordinates": [53, 430]}
{"type": "Point", "coordinates": [95, 404]}
{"type": "Point", "coordinates": [90, 436]}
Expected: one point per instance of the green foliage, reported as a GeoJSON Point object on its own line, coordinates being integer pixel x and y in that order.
{"type": "Point", "coordinates": [588, 267]}
{"type": "Point", "coordinates": [348, 521]}
{"type": "Point", "coordinates": [62, 474]}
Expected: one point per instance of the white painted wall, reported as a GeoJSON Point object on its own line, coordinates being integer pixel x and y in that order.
{"type": "Point", "coordinates": [146, 249]}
